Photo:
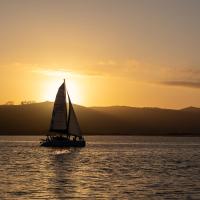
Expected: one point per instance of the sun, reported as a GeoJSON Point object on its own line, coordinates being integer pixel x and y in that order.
{"type": "Point", "coordinates": [51, 88]}
{"type": "Point", "coordinates": [74, 92]}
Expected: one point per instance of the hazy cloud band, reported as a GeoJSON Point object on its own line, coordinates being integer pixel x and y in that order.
{"type": "Point", "coordinates": [190, 84]}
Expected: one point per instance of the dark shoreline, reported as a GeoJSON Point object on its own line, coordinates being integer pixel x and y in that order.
{"type": "Point", "coordinates": [34, 119]}
{"type": "Point", "coordinates": [108, 134]}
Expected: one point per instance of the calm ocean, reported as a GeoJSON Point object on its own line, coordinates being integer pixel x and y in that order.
{"type": "Point", "coordinates": [110, 167]}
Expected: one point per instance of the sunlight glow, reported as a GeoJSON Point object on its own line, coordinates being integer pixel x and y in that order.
{"type": "Point", "coordinates": [51, 88]}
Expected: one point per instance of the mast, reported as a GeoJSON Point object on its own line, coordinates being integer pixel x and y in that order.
{"type": "Point", "coordinates": [67, 109]}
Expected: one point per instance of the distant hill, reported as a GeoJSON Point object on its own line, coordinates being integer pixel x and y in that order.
{"type": "Point", "coordinates": [35, 118]}
{"type": "Point", "coordinates": [191, 109]}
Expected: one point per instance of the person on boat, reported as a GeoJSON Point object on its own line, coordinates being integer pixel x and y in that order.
{"type": "Point", "coordinates": [59, 137]}
{"type": "Point", "coordinates": [80, 138]}
{"type": "Point", "coordinates": [47, 139]}
{"type": "Point", "coordinates": [74, 139]}
{"type": "Point", "coordinates": [68, 137]}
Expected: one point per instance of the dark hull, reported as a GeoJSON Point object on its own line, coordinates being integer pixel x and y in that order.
{"type": "Point", "coordinates": [63, 143]}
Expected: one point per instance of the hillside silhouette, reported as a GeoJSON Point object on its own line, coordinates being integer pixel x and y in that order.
{"type": "Point", "coordinates": [34, 119]}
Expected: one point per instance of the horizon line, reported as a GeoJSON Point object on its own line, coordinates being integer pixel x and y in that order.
{"type": "Point", "coordinates": [10, 103]}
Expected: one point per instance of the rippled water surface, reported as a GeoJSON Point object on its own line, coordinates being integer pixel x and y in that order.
{"type": "Point", "coordinates": [110, 167]}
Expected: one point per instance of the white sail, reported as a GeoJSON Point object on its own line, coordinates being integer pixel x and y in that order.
{"type": "Point", "coordinates": [73, 125]}
{"type": "Point", "coordinates": [59, 115]}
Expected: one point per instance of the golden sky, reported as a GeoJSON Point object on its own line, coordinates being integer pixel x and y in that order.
{"type": "Point", "coordinates": [112, 52]}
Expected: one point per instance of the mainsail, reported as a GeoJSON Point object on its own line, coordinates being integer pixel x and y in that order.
{"type": "Point", "coordinates": [64, 120]}
{"type": "Point", "coordinates": [59, 115]}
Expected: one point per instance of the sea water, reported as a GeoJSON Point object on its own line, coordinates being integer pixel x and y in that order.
{"type": "Point", "coordinates": [109, 167]}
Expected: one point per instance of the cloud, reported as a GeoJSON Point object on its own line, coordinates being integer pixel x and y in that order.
{"type": "Point", "coordinates": [127, 68]}
{"type": "Point", "coordinates": [50, 72]}
{"type": "Point", "coordinates": [130, 69]}
{"type": "Point", "coordinates": [189, 84]}
{"type": "Point", "coordinates": [63, 73]}
{"type": "Point", "coordinates": [107, 63]}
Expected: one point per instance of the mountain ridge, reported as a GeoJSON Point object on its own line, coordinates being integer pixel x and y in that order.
{"type": "Point", "coordinates": [34, 119]}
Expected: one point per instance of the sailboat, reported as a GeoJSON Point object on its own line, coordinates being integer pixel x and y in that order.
{"type": "Point", "coordinates": [64, 127]}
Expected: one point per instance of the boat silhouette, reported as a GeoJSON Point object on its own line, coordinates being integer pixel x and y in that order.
{"type": "Point", "coordinates": [64, 128]}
